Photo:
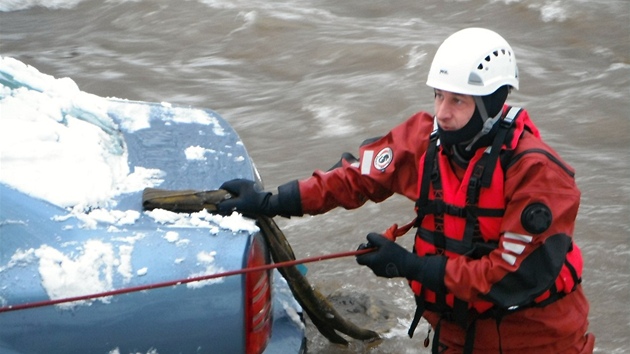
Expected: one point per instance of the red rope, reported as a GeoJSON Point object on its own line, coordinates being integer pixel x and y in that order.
{"type": "Point", "coordinates": [132, 289]}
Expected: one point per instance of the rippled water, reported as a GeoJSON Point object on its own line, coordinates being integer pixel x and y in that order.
{"type": "Point", "coordinates": [303, 81]}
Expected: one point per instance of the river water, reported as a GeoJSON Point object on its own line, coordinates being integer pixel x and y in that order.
{"type": "Point", "coordinates": [304, 81]}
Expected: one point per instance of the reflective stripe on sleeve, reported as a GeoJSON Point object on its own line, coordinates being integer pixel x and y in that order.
{"type": "Point", "coordinates": [366, 161]}
{"type": "Point", "coordinates": [518, 237]}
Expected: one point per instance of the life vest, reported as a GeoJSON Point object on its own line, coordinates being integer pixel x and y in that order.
{"type": "Point", "coordinates": [464, 217]}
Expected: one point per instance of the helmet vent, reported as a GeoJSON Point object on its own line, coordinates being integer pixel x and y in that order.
{"type": "Point", "coordinates": [488, 58]}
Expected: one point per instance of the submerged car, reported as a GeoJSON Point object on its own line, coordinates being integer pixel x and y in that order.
{"type": "Point", "coordinates": [72, 224]}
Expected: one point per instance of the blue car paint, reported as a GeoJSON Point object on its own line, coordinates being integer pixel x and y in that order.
{"type": "Point", "coordinates": [175, 319]}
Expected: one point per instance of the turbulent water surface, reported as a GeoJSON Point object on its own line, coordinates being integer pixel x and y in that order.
{"type": "Point", "coordinates": [303, 81]}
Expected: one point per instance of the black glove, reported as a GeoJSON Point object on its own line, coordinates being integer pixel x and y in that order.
{"type": "Point", "coordinates": [250, 200]}
{"type": "Point", "coordinates": [390, 260]}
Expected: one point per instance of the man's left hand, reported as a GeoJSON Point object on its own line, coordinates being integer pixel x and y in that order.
{"type": "Point", "coordinates": [390, 260]}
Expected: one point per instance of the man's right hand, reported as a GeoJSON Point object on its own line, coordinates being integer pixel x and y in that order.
{"type": "Point", "coordinates": [247, 198]}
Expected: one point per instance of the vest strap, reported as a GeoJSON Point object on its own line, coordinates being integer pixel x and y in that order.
{"type": "Point", "coordinates": [499, 139]}
{"type": "Point", "coordinates": [460, 247]}
{"type": "Point", "coordinates": [576, 278]}
{"type": "Point", "coordinates": [469, 343]}
{"type": "Point", "coordinates": [435, 347]}
{"type": "Point", "coordinates": [429, 157]}
{"type": "Point", "coordinates": [417, 316]}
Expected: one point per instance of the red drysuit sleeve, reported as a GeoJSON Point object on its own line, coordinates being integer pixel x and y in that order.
{"type": "Point", "coordinates": [386, 166]}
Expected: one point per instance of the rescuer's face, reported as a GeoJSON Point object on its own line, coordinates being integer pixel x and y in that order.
{"type": "Point", "coordinates": [453, 110]}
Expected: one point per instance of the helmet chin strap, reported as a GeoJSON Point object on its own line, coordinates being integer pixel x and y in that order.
{"type": "Point", "coordinates": [481, 107]}
{"type": "Point", "coordinates": [488, 122]}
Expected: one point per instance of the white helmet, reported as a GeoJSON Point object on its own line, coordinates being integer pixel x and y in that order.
{"type": "Point", "coordinates": [473, 61]}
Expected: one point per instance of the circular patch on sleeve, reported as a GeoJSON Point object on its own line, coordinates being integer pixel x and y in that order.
{"type": "Point", "coordinates": [536, 218]}
{"type": "Point", "coordinates": [383, 159]}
